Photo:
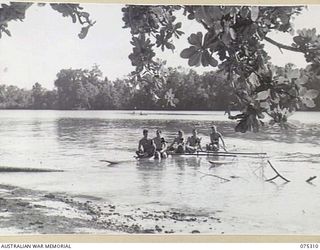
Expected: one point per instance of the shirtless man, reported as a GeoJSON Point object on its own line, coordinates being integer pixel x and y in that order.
{"type": "Point", "coordinates": [193, 142]}
{"type": "Point", "coordinates": [146, 146]}
{"type": "Point", "coordinates": [215, 138]}
{"type": "Point", "coordinates": [179, 140]}
{"type": "Point", "coordinates": [161, 146]}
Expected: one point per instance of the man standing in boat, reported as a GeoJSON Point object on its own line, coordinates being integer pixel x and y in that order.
{"type": "Point", "coordinates": [178, 144]}
{"type": "Point", "coordinates": [215, 137]}
{"type": "Point", "coordinates": [161, 146]}
{"type": "Point", "coordinates": [193, 142]}
{"type": "Point", "coordinates": [146, 146]}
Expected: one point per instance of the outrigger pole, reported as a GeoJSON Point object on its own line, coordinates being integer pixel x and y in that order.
{"type": "Point", "coordinates": [233, 153]}
{"type": "Point", "coordinates": [226, 154]}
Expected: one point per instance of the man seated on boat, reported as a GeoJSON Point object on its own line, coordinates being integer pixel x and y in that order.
{"type": "Point", "coordinates": [161, 146]}
{"type": "Point", "coordinates": [178, 144]}
{"type": "Point", "coordinates": [146, 146]}
{"type": "Point", "coordinates": [193, 142]}
{"type": "Point", "coordinates": [215, 138]}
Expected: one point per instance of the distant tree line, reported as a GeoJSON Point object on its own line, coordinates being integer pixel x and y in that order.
{"type": "Point", "coordinates": [87, 89]}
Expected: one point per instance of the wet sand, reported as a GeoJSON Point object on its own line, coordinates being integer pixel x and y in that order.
{"type": "Point", "coordinates": [25, 211]}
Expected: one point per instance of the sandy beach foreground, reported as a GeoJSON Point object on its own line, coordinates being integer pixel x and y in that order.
{"type": "Point", "coordinates": [25, 211]}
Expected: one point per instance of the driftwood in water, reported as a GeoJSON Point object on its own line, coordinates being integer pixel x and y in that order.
{"type": "Point", "coordinates": [34, 170]}
{"type": "Point", "coordinates": [111, 162]}
{"type": "Point", "coordinates": [213, 175]}
{"type": "Point", "coordinates": [278, 174]}
{"type": "Point", "coordinates": [311, 179]}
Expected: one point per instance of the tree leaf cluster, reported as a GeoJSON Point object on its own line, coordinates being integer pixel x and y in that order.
{"type": "Point", "coordinates": [15, 11]}
{"type": "Point", "coordinates": [232, 39]}
{"type": "Point", "coordinates": [156, 22]}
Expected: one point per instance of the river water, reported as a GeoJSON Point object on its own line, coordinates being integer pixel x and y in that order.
{"type": "Point", "coordinates": [76, 141]}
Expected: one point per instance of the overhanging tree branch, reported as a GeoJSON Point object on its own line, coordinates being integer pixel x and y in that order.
{"type": "Point", "coordinates": [282, 46]}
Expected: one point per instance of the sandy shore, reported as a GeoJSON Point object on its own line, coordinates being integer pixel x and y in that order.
{"type": "Point", "coordinates": [25, 211]}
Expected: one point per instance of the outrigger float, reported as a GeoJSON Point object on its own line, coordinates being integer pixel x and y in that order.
{"type": "Point", "coordinates": [214, 161]}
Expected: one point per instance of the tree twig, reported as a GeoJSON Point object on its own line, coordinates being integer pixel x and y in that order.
{"type": "Point", "coordinates": [213, 175]}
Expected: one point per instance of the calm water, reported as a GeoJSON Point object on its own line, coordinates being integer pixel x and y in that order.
{"type": "Point", "coordinates": [75, 141]}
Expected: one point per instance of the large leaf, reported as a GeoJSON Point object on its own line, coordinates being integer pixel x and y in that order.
{"type": "Point", "coordinates": [311, 93]}
{"type": "Point", "coordinates": [195, 59]}
{"type": "Point", "coordinates": [282, 80]}
{"type": "Point", "coordinates": [195, 39]}
{"type": "Point", "coordinates": [309, 103]}
{"type": "Point", "coordinates": [254, 80]}
{"type": "Point", "coordinates": [244, 12]}
{"type": "Point", "coordinates": [213, 62]}
{"type": "Point", "coordinates": [299, 40]}
{"type": "Point", "coordinates": [293, 74]}
{"type": "Point", "coordinates": [302, 91]}
{"type": "Point", "coordinates": [216, 13]}
{"type": "Point", "coordinates": [265, 105]}
{"type": "Point", "coordinates": [85, 14]}
{"type": "Point", "coordinates": [178, 25]}
{"type": "Point", "coordinates": [209, 40]}
{"type": "Point", "coordinates": [303, 80]}
{"type": "Point", "coordinates": [200, 13]}
{"type": "Point", "coordinates": [232, 33]}
{"type": "Point", "coordinates": [285, 18]}
{"type": "Point", "coordinates": [188, 52]}
{"type": "Point", "coordinates": [254, 13]}
{"type": "Point", "coordinates": [205, 58]}
{"type": "Point", "coordinates": [217, 27]}
{"type": "Point", "coordinates": [275, 100]}
{"type": "Point", "coordinates": [84, 32]}
{"type": "Point", "coordinates": [263, 95]}
{"type": "Point", "coordinates": [226, 38]}
{"type": "Point", "coordinates": [170, 46]}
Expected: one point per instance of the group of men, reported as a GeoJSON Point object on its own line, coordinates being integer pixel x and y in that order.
{"type": "Point", "coordinates": [159, 148]}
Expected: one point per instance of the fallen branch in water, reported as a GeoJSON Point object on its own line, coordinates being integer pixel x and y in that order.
{"type": "Point", "coordinates": [110, 162]}
{"type": "Point", "coordinates": [213, 175]}
{"type": "Point", "coordinates": [34, 170]}
{"type": "Point", "coordinates": [311, 179]}
{"type": "Point", "coordinates": [278, 174]}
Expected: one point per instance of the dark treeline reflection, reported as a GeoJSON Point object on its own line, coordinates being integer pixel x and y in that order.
{"type": "Point", "coordinates": [88, 90]}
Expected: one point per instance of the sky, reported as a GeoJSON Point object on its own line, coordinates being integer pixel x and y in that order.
{"type": "Point", "coordinates": [45, 42]}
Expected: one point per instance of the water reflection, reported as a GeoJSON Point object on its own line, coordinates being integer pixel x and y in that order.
{"type": "Point", "coordinates": [151, 164]}
{"type": "Point", "coordinates": [179, 162]}
{"type": "Point", "coordinates": [150, 177]}
{"type": "Point", "coordinates": [183, 162]}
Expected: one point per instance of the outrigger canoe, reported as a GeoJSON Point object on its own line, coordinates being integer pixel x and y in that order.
{"type": "Point", "coordinates": [196, 154]}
